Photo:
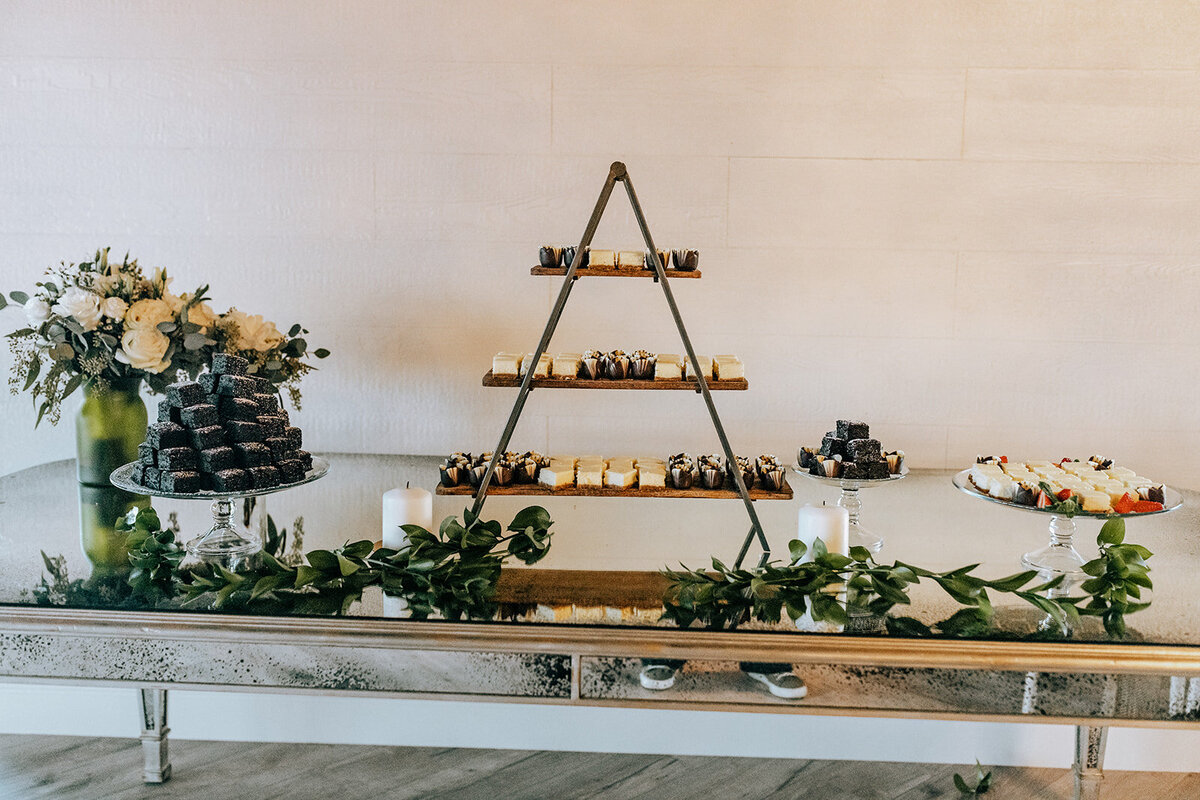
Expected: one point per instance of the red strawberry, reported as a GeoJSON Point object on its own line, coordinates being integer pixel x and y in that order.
{"type": "Point", "coordinates": [1065, 494]}
{"type": "Point", "coordinates": [1043, 500]}
{"type": "Point", "coordinates": [1003, 459]}
{"type": "Point", "coordinates": [1125, 504]}
{"type": "Point", "coordinates": [1143, 506]}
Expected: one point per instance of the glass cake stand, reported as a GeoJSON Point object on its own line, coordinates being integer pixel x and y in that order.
{"type": "Point", "coordinates": [1060, 556]}
{"type": "Point", "coordinates": [226, 543]}
{"type": "Point", "coordinates": [859, 536]}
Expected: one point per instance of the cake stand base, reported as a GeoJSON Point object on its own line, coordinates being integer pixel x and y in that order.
{"type": "Point", "coordinates": [859, 536]}
{"type": "Point", "coordinates": [1060, 556]}
{"type": "Point", "coordinates": [226, 544]}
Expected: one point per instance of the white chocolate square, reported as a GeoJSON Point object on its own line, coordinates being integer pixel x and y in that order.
{"type": "Point", "coordinates": [727, 368]}
{"type": "Point", "coordinates": [542, 370]}
{"type": "Point", "coordinates": [589, 473]}
{"type": "Point", "coordinates": [669, 367]}
{"type": "Point", "coordinates": [706, 367]}
{"type": "Point", "coordinates": [506, 364]}
{"type": "Point", "coordinates": [557, 475]}
{"type": "Point", "coordinates": [621, 478]}
{"type": "Point", "coordinates": [651, 477]}
{"type": "Point", "coordinates": [566, 365]}
{"type": "Point", "coordinates": [602, 258]}
{"type": "Point", "coordinates": [1095, 501]}
{"type": "Point", "coordinates": [631, 259]}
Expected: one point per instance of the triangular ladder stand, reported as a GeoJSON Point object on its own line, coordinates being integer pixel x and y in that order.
{"type": "Point", "coordinates": [617, 172]}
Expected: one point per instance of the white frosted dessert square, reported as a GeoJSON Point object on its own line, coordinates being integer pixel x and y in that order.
{"type": "Point", "coordinates": [1095, 501]}
{"type": "Point", "coordinates": [566, 365]}
{"type": "Point", "coordinates": [589, 474]}
{"type": "Point", "coordinates": [631, 259]}
{"type": "Point", "coordinates": [728, 368]}
{"type": "Point", "coordinates": [602, 258]}
{"type": "Point", "coordinates": [668, 367]}
{"type": "Point", "coordinates": [506, 363]}
{"type": "Point", "coordinates": [1120, 473]}
{"type": "Point", "coordinates": [557, 474]}
{"type": "Point", "coordinates": [706, 367]}
{"type": "Point", "coordinates": [651, 477]}
{"type": "Point", "coordinates": [621, 478]}
{"type": "Point", "coordinates": [541, 370]}
{"type": "Point", "coordinates": [646, 461]}
{"type": "Point", "coordinates": [1002, 488]}
{"type": "Point", "coordinates": [620, 463]}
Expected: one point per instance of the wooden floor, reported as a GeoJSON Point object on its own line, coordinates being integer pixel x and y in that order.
{"type": "Point", "coordinates": [72, 768]}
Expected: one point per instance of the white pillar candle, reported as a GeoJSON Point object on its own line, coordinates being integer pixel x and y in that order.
{"type": "Point", "coordinates": [830, 524]}
{"type": "Point", "coordinates": [405, 507]}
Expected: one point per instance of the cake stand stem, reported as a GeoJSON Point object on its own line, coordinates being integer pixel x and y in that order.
{"type": "Point", "coordinates": [859, 536]}
{"type": "Point", "coordinates": [1057, 558]}
{"type": "Point", "coordinates": [225, 543]}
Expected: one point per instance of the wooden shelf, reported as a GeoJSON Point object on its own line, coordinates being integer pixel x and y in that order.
{"type": "Point", "coordinates": [613, 272]}
{"type": "Point", "coordinates": [514, 382]}
{"type": "Point", "coordinates": [537, 490]}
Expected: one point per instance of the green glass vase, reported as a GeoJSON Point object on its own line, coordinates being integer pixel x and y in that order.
{"type": "Point", "coordinates": [108, 429]}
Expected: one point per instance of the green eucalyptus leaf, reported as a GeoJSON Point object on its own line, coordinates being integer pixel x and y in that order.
{"type": "Point", "coordinates": [321, 352]}
{"type": "Point", "coordinates": [1112, 532]}
{"type": "Point", "coordinates": [19, 298]}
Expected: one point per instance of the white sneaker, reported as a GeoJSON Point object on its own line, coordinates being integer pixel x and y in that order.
{"type": "Point", "coordinates": [657, 677]}
{"type": "Point", "coordinates": [787, 685]}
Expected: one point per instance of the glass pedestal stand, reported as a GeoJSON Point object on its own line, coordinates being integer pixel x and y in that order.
{"type": "Point", "coordinates": [226, 543]}
{"type": "Point", "coordinates": [849, 500]}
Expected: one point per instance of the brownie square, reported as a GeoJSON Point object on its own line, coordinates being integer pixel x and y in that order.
{"type": "Point", "coordinates": [305, 459]}
{"type": "Point", "coordinates": [874, 470]}
{"type": "Point", "coordinates": [138, 473]}
{"type": "Point", "coordinates": [229, 364]}
{"type": "Point", "coordinates": [252, 454]}
{"type": "Point", "coordinates": [182, 482]}
{"type": "Point", "coordinates": [208, 438]}
{"type": "Point", "coordinates": [208, 382]}
{"type": "Point", "coordinates": [237, 430]}
{"type": "Point", "coordinates": [282, 412]}
{"type": "Point", "coordinates": [272, 425]}
{"type": "Point", "coordinates": [863, 450]}
{"type": "Point", "coordinates": [852, 471]}
{"type": "Point", "coordinates": [147, 455]}
{"type": "Point", "coordinates": [241, 408]}
{"type": "Point", "coordinates": [833, 446]}
{"type": "Point", "coordinates": [167, 412]}
{"type": "Point", "coordinates": [176, 459]}
{"type": "Point", "coordinates": [262, 385]}
{"type": "Point", "coordinates": [236, 386]}
{"type": "Point", "coordinates": [229, 480]}
{"type": "Point", "coordinates": [293, 436]}
{"type": "Point", "coordinates": [291, 470]}
{"type": "Point", "coordinates": [848, 429]}
{"type": "Point", "coordinates": [201, 415]}
{"type": "Point", "coordinates": [161, 435]}
{"type": "Point", "coordinates": [184, 394]}
{"type": "Point", "coordinates": [216, 459]}
{"type": "Point", "coordinates": [280, 449]}
{"type": "Point", "coordinates": [150, 477]}
{"type": "Point", "coordinates": [267, 403]}
{"type": "Point", "coordinates": [263, 477]}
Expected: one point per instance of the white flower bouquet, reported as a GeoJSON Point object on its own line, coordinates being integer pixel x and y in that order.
{"type": "Point", "coordinates": [98, 322]}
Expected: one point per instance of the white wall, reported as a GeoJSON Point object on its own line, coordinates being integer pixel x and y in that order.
{"type": "Point", "coordinates": [971, 223]}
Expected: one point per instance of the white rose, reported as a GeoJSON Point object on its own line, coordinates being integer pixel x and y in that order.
{"type": "Point", "coordinates": [175, 303]}
{"type": "Point", "coordinates": [81, 304]}
{"type": "Point", "coordinates": [37, 311]}
{"type": "Point", "coordinates": [148, 314]}
{"type": "Point", "coordinates": [114, 307]}
{"type": "Point", "coordinates": [144, 348]}
{"type": "Point", "coordinates": [254, 333]}
{"type": "Point", "coordinates": [202, 314]}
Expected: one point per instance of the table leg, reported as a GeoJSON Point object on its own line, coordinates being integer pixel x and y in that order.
{"type": "Point", "coordinates": [156, 766]}
{"type": "Point", "coordinates": [1089, 760]}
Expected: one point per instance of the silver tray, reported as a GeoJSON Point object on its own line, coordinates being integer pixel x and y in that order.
{"type": "Point", "coordinates": [122, 478]}
{"type": "Point", "coordinates": [852, 484]}
{"type": "Point", "coordinates": [1171, 501]}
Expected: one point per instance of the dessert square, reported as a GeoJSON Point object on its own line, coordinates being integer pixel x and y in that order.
{"type": "Point", "coordinates": [669, 367]}
{"type": "Point", "coordinates": [236, 386]}
{"type": "Point", "coordinates": [706, 367]}
{"type": "Point", "coordinates": [652, 477]}
{"type": "Point", "coordinates": [146, 455]}
{"type": "Point", "coordinates": [263, 477]}
{"type": "Point", "coordinates": [216, 459]}
{"type": "Point", "coordinates": [863, 450]}
{"type": "Point", "coordinates": [590, 473]}
{"type": "Point", "coordinates": [281, 449]}
{"type": "Point", "coordinates": [305, 458]}
{"type": "Point", "coordinates": [160, 435]}
{"type": "Point", "coordinates": [251, 454]}
{"type": "Point", "coordinates": [205, 438]}
{"type": "Point", "coordinates": [852, 429]}
{"type": "Point", "coordinates": [506, 363]}
{"type": "Point", "coordinates": [833, 446]}
{"type": "Point", "coordinates": [168, 412]}
{"type": "Point", "coordinates": [566, 365]}
{"type": "Point", "coordinates": [177, 458]}
{"type": "Point", "coordinates": [201, 415]}
{"type": "Point", "coordinates": [272, 425]}
{"type": "Point", "coordinates": [183, 481]}
{"type": "Point", "coordinates": [557, 475]}
{"type": "Point", "coordinates": [875, 471]}
{"type": "Point", "coordinates": [242, 408]}
{"type": "Point", "coordinates": [229, 480]}
{"type": "Point", "coordinates": [138, 473]}
{"type": "Point", "coordinates": [208, 382]}
{"type": "Point", "coordinates": [602, 258]}
{"type": "Point", "coordinates": [290, 470]}
{"type": "Point", "coordinates": [1095, 501]}
{"type": "Point", "coordinates": [150, 477]}
{"type": "Point", "coordinates": [631, 259]}
{"type": "Point", "coordinates": [621, 478]}
{"type": "Point", "coordinates": [267, 403]}
{"type": "Point", "coordinates": [241, 431]}
{"type": "Point", "coordinates": [229, 364]}
{"type": "Point", "coordinates": [541, 370]}
{"type": "Point", "coordinates": [294, 437]}
{"type": "Point", "coordinates": [184, 394]}
{"type": "Point", "coordinates": [728, 368]}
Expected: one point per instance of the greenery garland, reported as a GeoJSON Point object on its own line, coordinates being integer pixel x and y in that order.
{"type": "Point", "coordinates": [832, 587]}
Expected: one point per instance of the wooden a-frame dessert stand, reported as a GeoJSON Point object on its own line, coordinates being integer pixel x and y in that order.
{"type": "Point", "coordinates": [617, 172]}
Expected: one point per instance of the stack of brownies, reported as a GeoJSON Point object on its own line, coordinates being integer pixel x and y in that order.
{"type": "Point", "coordinates": [225, 433]}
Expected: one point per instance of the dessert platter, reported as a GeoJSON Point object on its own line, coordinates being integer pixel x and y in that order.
{"type": "Point", "coordinates": [1093, 488]}
{"type": "Point", "coordinates": [616, 369]}
{"type": "Point", "coordinates": [616, 263]}
{"type": "Point", "coordinates": [681, 475]}
{"type": "Point", "coordinates": [220, 438]}
{"type": "Point", "coordinates": [850, 459]}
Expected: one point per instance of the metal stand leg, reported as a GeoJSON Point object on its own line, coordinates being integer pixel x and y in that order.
{"type": "Point", "coordinates": [1089, 760]}
{"type": "Point", "coordinates": [156, 766]}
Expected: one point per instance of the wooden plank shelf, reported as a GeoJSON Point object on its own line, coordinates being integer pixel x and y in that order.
{"type": "Point", "coordinates": [514, 382]}
{"type": "Point", "coordinates": [538, 490]}
{"type": "Point", "coordinates": [613, 272]}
